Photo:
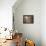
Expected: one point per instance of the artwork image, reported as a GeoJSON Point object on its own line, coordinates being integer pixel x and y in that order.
{"type": "Point", "coordinates": [28, 19]}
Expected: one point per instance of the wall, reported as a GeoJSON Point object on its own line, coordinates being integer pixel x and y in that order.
{"type": "Point", "coordinates": [43, 22]}
{"type": "Point", "coordinates": [30, 31]}
{"type": "Point", "coordinates": [6, 13]}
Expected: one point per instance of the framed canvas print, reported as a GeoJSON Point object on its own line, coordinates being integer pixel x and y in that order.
{"type": "Point", "coordinates": [28, 19]}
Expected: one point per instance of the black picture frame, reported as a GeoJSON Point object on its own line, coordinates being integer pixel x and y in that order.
{"type": "Point", "coordinates": [28, 19]}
